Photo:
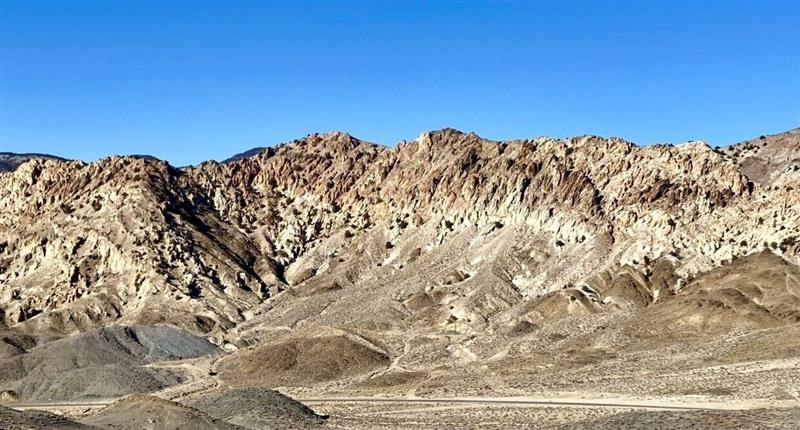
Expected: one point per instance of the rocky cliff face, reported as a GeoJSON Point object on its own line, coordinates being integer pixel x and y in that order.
{"type": "Point", "coordinates": [449, 228]}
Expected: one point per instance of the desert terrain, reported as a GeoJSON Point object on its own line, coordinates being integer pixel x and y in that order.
{"type": "Point", "coordinates": [448, 281]}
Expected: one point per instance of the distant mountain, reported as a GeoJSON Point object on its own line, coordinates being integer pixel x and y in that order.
{"type": "Point", "coordinates": [10, 160]}
{"type": "Point", "coordinates": [246, 154]}
{"type": "Point", "coordinates": [145, 157]}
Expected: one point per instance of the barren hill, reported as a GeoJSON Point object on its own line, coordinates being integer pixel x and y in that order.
{"type": "Point", "coordinates": [148, 412]}
{"type": "Point", "coordinates": [135, 240]}
{"type": "Point", "coordinates": [446, 264]}
{"type": "Point", "coordinates": [767, 159]}
{"type": "Point", "coordinates": [103, 363]}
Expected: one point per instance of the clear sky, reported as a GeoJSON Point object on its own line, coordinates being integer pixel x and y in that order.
{"type": "Point", "coordinates": [193, 80]}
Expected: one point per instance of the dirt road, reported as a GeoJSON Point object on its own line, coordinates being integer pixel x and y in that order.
{"type": "Point", "coordinates": [674, 404]}
{"type": "Point", "coordinates": [660, 404]}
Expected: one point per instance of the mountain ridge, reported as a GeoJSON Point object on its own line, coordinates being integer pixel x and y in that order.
{"type": "Point", "coordinates": [124, 238]}
{"type": "Point", "coordinates": [259, 149]}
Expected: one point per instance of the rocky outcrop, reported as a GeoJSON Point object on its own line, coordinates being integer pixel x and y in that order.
{"type": "Point", "coordinates": [86, 244]}
{"type": "Point", "coordinates": [210, 247]}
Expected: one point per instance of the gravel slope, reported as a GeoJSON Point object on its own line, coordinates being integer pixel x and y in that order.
{"type": "Point", "coordinates": [142, 412]}
{"type": "Point", "coordinates": [258, 408]}
{"type": "Point", "coordinates": [102, 363]}
{"type": "Point", "coordinates": [11, 419]}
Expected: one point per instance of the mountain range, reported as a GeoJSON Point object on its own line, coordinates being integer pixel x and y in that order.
{"type": "Point", "coordinates": [448, 263]}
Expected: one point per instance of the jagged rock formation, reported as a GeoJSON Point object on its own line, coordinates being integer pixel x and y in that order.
{"type": "Point", "coordinates": [87, 244]}
{"type": "Point", "coordinates": [448, 231]}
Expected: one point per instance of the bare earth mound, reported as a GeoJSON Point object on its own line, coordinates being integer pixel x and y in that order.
{"type": "Point", "coordinates": [102, 363]}
{"type": "Point", "coordinates": [258, 408]}
{"type": "Point", "coordinates": [152, 413]}
{"type": "Point", "coordinates": [757, 291]}
{"type": "Point", "coordinates": [11, 419]}
{"type": "Point", "coordinates": [301, 362]}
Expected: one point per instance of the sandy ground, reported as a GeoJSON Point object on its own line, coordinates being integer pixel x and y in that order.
{"type": "Point", "coordinates": [541, 410]}
{"type": "Point", "coordinates": [558, 409]}
{"type": "Point", "coordinates": [398, 415]}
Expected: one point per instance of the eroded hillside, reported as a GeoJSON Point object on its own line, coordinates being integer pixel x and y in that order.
{"type": "Point", "coordinates": [448, 229]}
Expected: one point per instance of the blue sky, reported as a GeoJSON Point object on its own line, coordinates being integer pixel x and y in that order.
{"type": "Point", "coordinates": [188, 81]}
